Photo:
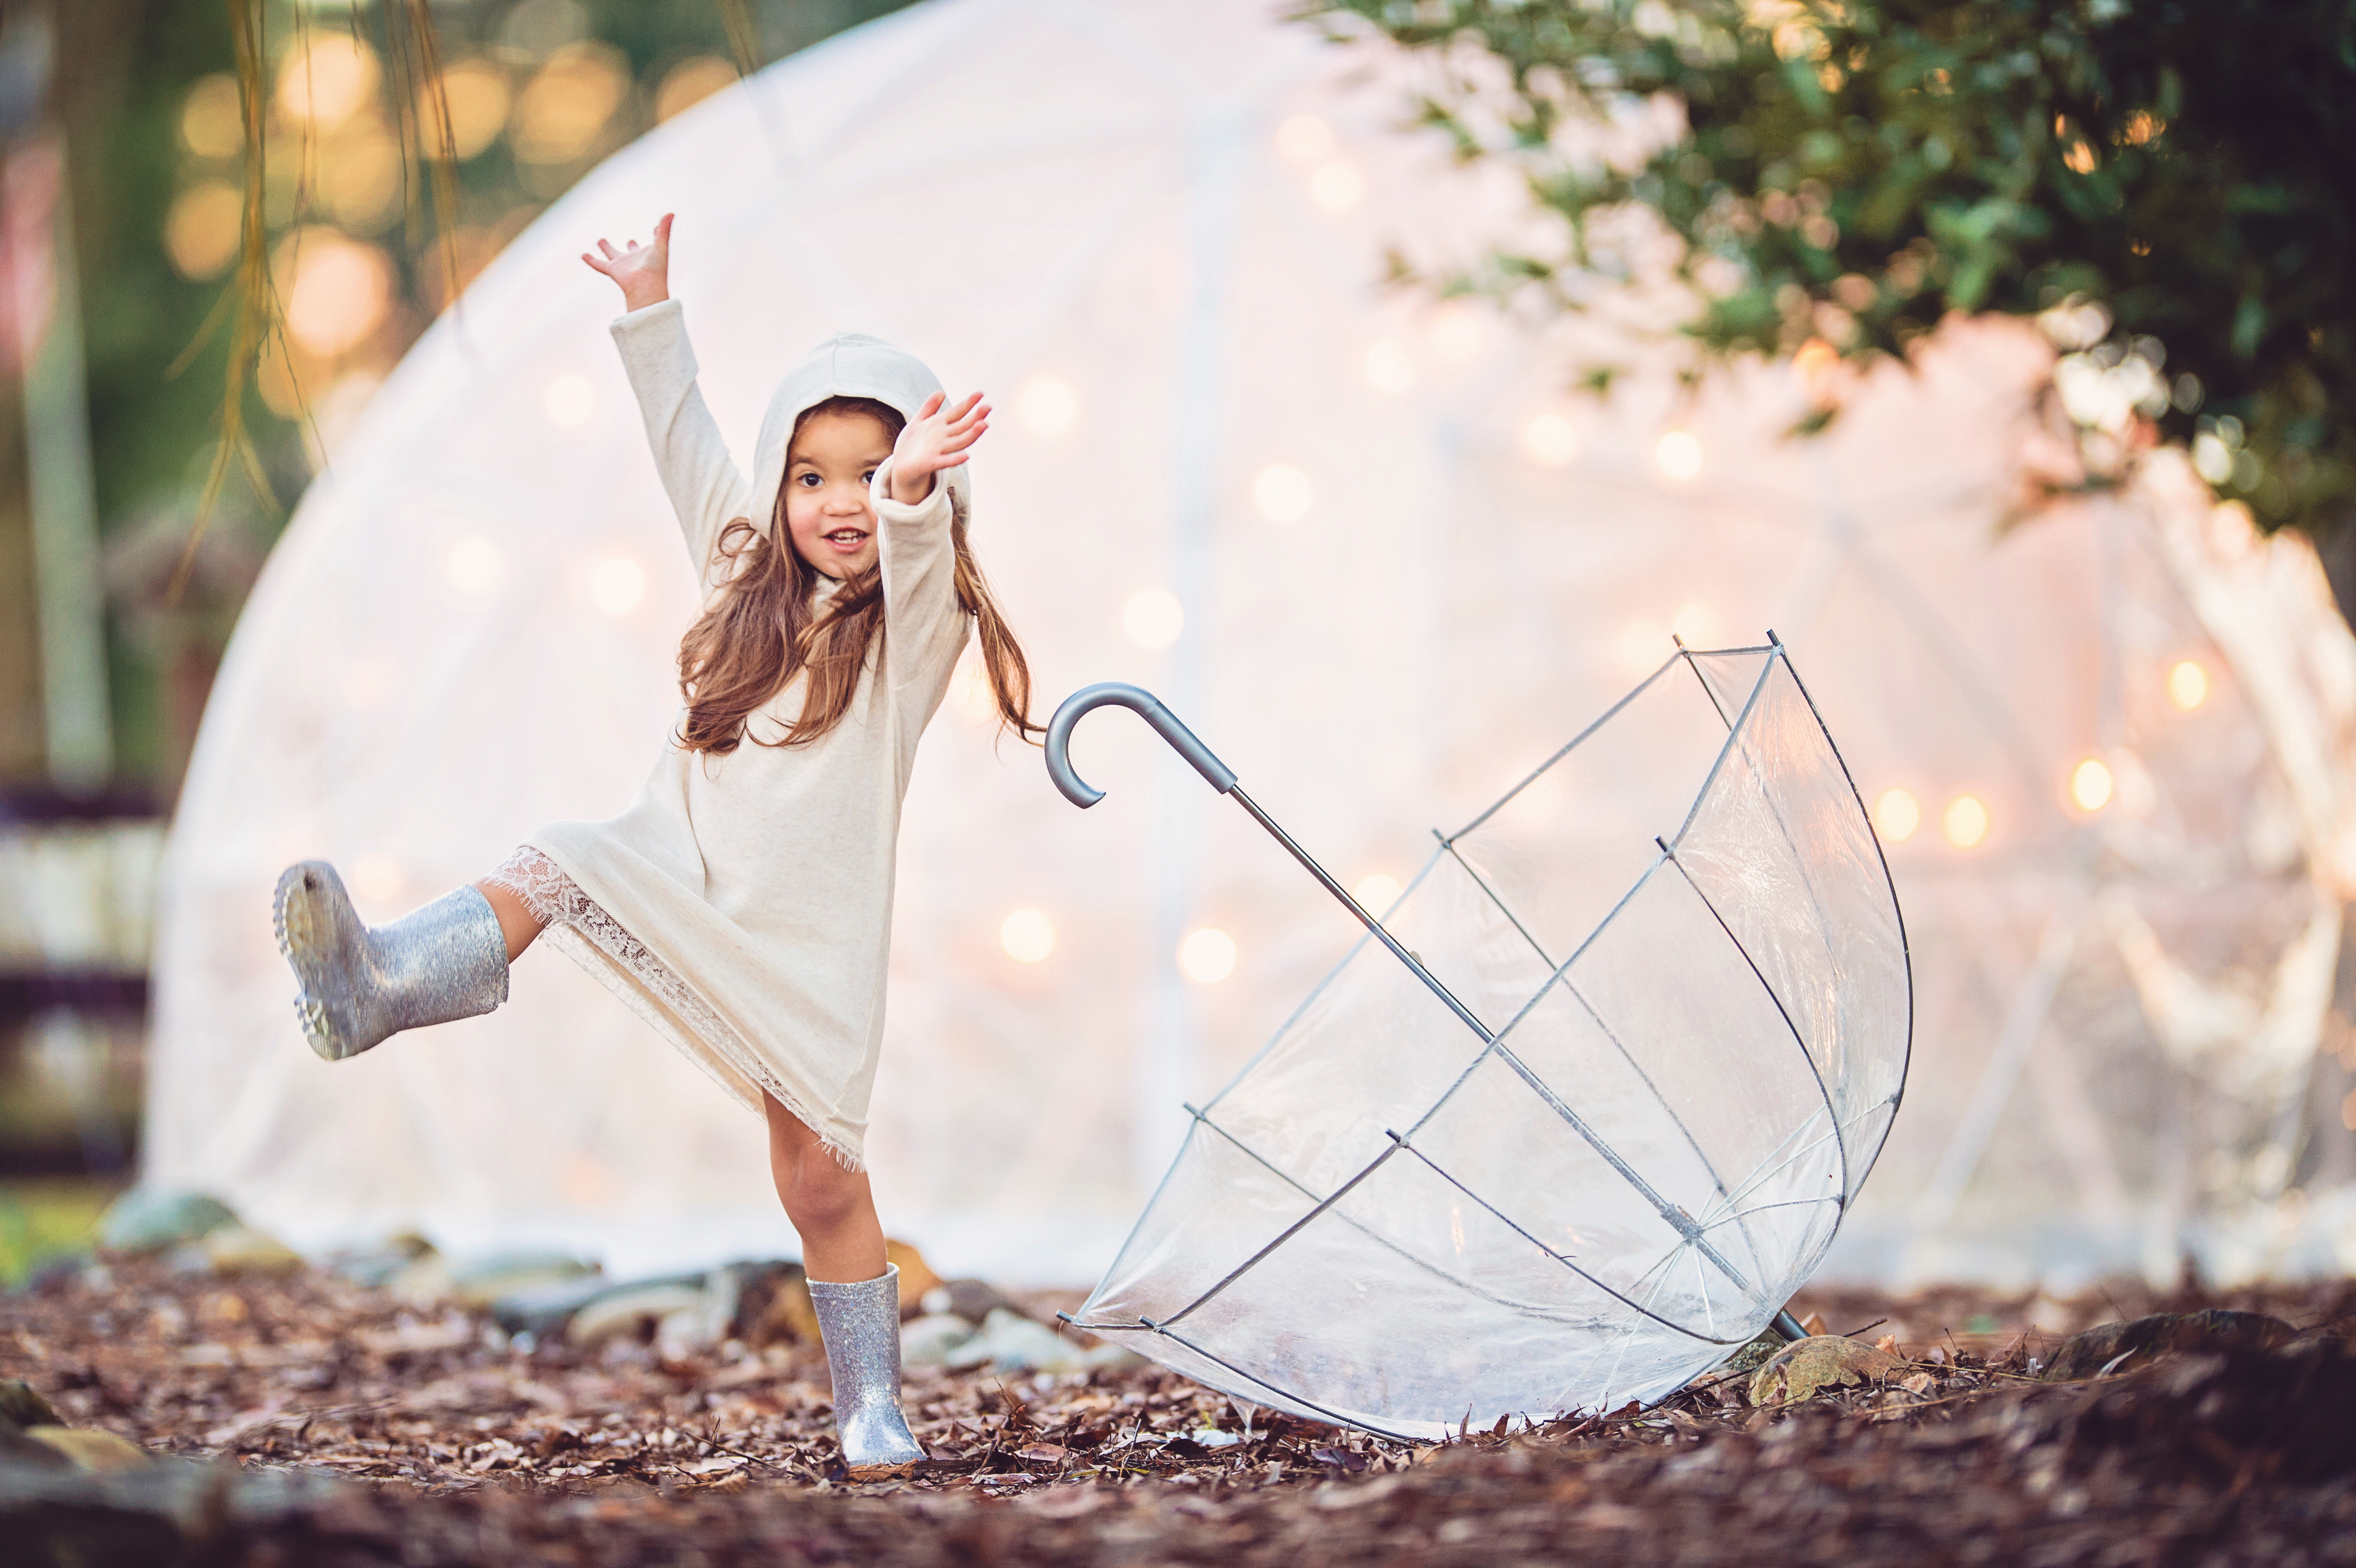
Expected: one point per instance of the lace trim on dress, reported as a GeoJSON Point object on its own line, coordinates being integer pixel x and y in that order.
{"type": "Point", "coordinates": [555, 898]}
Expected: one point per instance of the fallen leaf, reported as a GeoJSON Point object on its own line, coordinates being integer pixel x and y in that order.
{"type": "Point", "coordinates": [1806, 1367]}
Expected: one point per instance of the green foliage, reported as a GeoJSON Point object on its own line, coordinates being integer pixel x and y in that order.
{"type": "Point", "coordinates": [1853, 170]}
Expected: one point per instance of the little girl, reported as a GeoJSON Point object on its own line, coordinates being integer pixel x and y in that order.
{"type": "Point", "coordinates": [743, 904]}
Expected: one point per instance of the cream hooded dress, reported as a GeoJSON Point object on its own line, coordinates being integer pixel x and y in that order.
{"type": "Point", "coordinates": [743, 904]}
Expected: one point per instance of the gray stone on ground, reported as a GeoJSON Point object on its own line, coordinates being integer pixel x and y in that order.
{"type": "Point", "coordinates": [148, 1219]}
{"type": "Point", "coordinates": [236, 1250]}
{"type": "Point", "coordinates": [929, 1340]}
{"type": "Point", "coordinates": [971, 1299]}
{"type": "Point", "coordinates": [1013, 1342]}
{"type": "Point", "coordinates": [480, 1281]}
{"type": "Point", "coordinates": [633, 1311]}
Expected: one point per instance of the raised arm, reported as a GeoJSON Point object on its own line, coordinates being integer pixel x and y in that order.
{"type": "Point", "coordinates": [705, 486]}
{"type": "Point", "coordinates": [913, 512]}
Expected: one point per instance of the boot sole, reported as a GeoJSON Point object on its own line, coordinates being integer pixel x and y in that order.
{"type": "Point", "coordinates": [883, 1472]}
{"type": "Point", "coordinates": [300, 929]}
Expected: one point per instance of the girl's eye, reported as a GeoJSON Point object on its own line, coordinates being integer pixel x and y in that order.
{"type": "Point", "coordinates": [808, 481]}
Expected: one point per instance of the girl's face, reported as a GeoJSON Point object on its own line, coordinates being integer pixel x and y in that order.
{"type": "Point", "coordinates": [835, 453]}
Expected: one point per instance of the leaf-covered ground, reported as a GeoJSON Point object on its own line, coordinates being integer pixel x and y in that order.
{"type": "Point", "coordinates": [458, 1447]}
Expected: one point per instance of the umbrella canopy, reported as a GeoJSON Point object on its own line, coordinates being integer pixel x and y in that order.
{"type": "Point", "coordinates": [1583, 1110]}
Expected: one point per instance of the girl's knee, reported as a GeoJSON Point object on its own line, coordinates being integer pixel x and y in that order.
{"type": "Point", "coordinates": [822, 1193]}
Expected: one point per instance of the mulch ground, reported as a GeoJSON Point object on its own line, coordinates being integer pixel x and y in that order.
{"type": "Point", "coordinates": [453, 1447]}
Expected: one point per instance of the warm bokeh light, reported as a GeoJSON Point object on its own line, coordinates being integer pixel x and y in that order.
{"type": "Point", "coordinates": [1047, 406]}
{"type": "Point", "coordinates": [1550, 441]}
{"type": "Point", "coordinates": [1028, 935]}
{"type": "Point", "coordinates": [1456, 330]}
{"type": "Point", "coordinates": [2187, 684]}
{"type": "Point", "coordinates": [617, 585]}
{"type": "Point", "coordinates": [1304, 138]}
{"type": "Point", "coordinates": [376, 878]}
{"type": "Point", "coordinates": [1377, 892]}
{"type": "Point", "coordinates": [475, 566]}
{"type": "Point", "coordinates": [341, 292]}
{"type": "Point", "coordinates": [212, 126]}
{"type": "Point", "coordinates": [202, 230]}
{"type": "Point", "coordinates": [570, 400]}
{"type": "Point", "coordinates": [479, 97]}
{"type": "Point", "coordinates": [1964, 822]}
{"type": "Point", "coordinates": [360, 179]}
{"type": "Point", "coordinates": [1389, 367]}
{"type": "Point", "coordinates": [324, 83]}
{"type": "Point", "coordinates": [1642, 645]}
{"type": "Point", "coordinates": [1151, 618]}
{"type": "Point", "coordinates": [1678, 454]}
{"type": "Point", "coordinates": [568, 102]}
{"type": "Point", "coordinates": [1896, 814]}
{"type": "Point", "coordinates": [1694, 625]}
{"type": "Point", "coordinates": [691, 82]}
{"type": "Point", "coordinates": [1281, 493]}
{"type": "Point", "coordinates": [2091, 784]}
{"type": "Point", "coordinates": [1207, 955]}
{"type": "Point", "coordinates": [1337, 187]}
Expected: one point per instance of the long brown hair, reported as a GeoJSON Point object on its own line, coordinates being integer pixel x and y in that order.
{"type": "Point", "coordinates": [761, 630]}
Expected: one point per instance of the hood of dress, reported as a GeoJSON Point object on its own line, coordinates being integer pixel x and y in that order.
{"type": "Point", "coordinates": [848, 365]}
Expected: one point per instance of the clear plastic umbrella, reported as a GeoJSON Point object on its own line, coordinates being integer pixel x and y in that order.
{"type": "Point", "coordinates": [1579, 1114]}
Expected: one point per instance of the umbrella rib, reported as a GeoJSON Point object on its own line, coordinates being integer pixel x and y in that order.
{"type": "Point", "coordinates": [1374, 927]}
{"type": "Point", "coordinates": [1310, 1000]}
{"type": "Point", "coordinates": [1284, 1236]}
{"type": "Point", "coordinates": [1382, 1241]}
{"type": "Point", "coordinates": [1675, 1217]}
{"type": "Point", "coordinates": [1686, 654]}
{"type": "Point", "coordinates": [1832, 1113]}
{"type": "Point", "coordinates": [1897, 915]}
{"type": "Point", "coordinates": [1565, 749]}
{"type": "Point", "coordinates": [1782, 825]}
{"type": "Point", "coordinates": [1334, 1416]}
{"type": "Point", "coordinates": [1730, 1217]}
{"type": "Point", "coordinates": [1752, 1182]}
{"type": "Point", "coordinates": [1561, 976]}
{"type": "Point", "coordinates": [1734, 734]}
{"type": "Point", "coordinates": [1558, 1257]}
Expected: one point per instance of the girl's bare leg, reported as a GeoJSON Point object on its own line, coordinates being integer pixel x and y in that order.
{"type": "Point", "coordinates": [516, 922]}
{"type": "Point", "coordinates": [833, 1209]}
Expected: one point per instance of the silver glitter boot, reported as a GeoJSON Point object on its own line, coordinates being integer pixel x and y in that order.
{"type": "Point", "coordinates": [446, 961]}
{"type": "Point", "coordinates": [861, 1324]}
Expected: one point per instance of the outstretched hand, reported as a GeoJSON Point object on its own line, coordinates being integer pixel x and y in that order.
{"type": "Point", "coordinates": [937, 438]}
{"type": "Point", "coordinates": [643, 272]}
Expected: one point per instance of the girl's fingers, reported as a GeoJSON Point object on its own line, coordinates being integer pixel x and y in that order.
{"type": "Point", "coordinates": [662, 228]}
{"type": "Point", "coordinates": [608, 250]}
{"type": "Point", "coordinates": [931, 406]}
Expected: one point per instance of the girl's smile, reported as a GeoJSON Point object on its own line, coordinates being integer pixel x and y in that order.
{"type": "Point", "coordinates": [834, 457]}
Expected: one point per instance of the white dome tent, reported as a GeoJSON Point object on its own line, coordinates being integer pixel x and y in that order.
{"type": "Point", "coordinates": [1365, 546]}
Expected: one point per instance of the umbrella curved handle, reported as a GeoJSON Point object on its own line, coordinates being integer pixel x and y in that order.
{"type": "Point", "coordinates": [1146, 706]}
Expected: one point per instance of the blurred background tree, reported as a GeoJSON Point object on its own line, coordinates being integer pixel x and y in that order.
{"type": "Point", "coordinates": [2165, 186]}
{"type": "Point", "coordinates": [145, 94]}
